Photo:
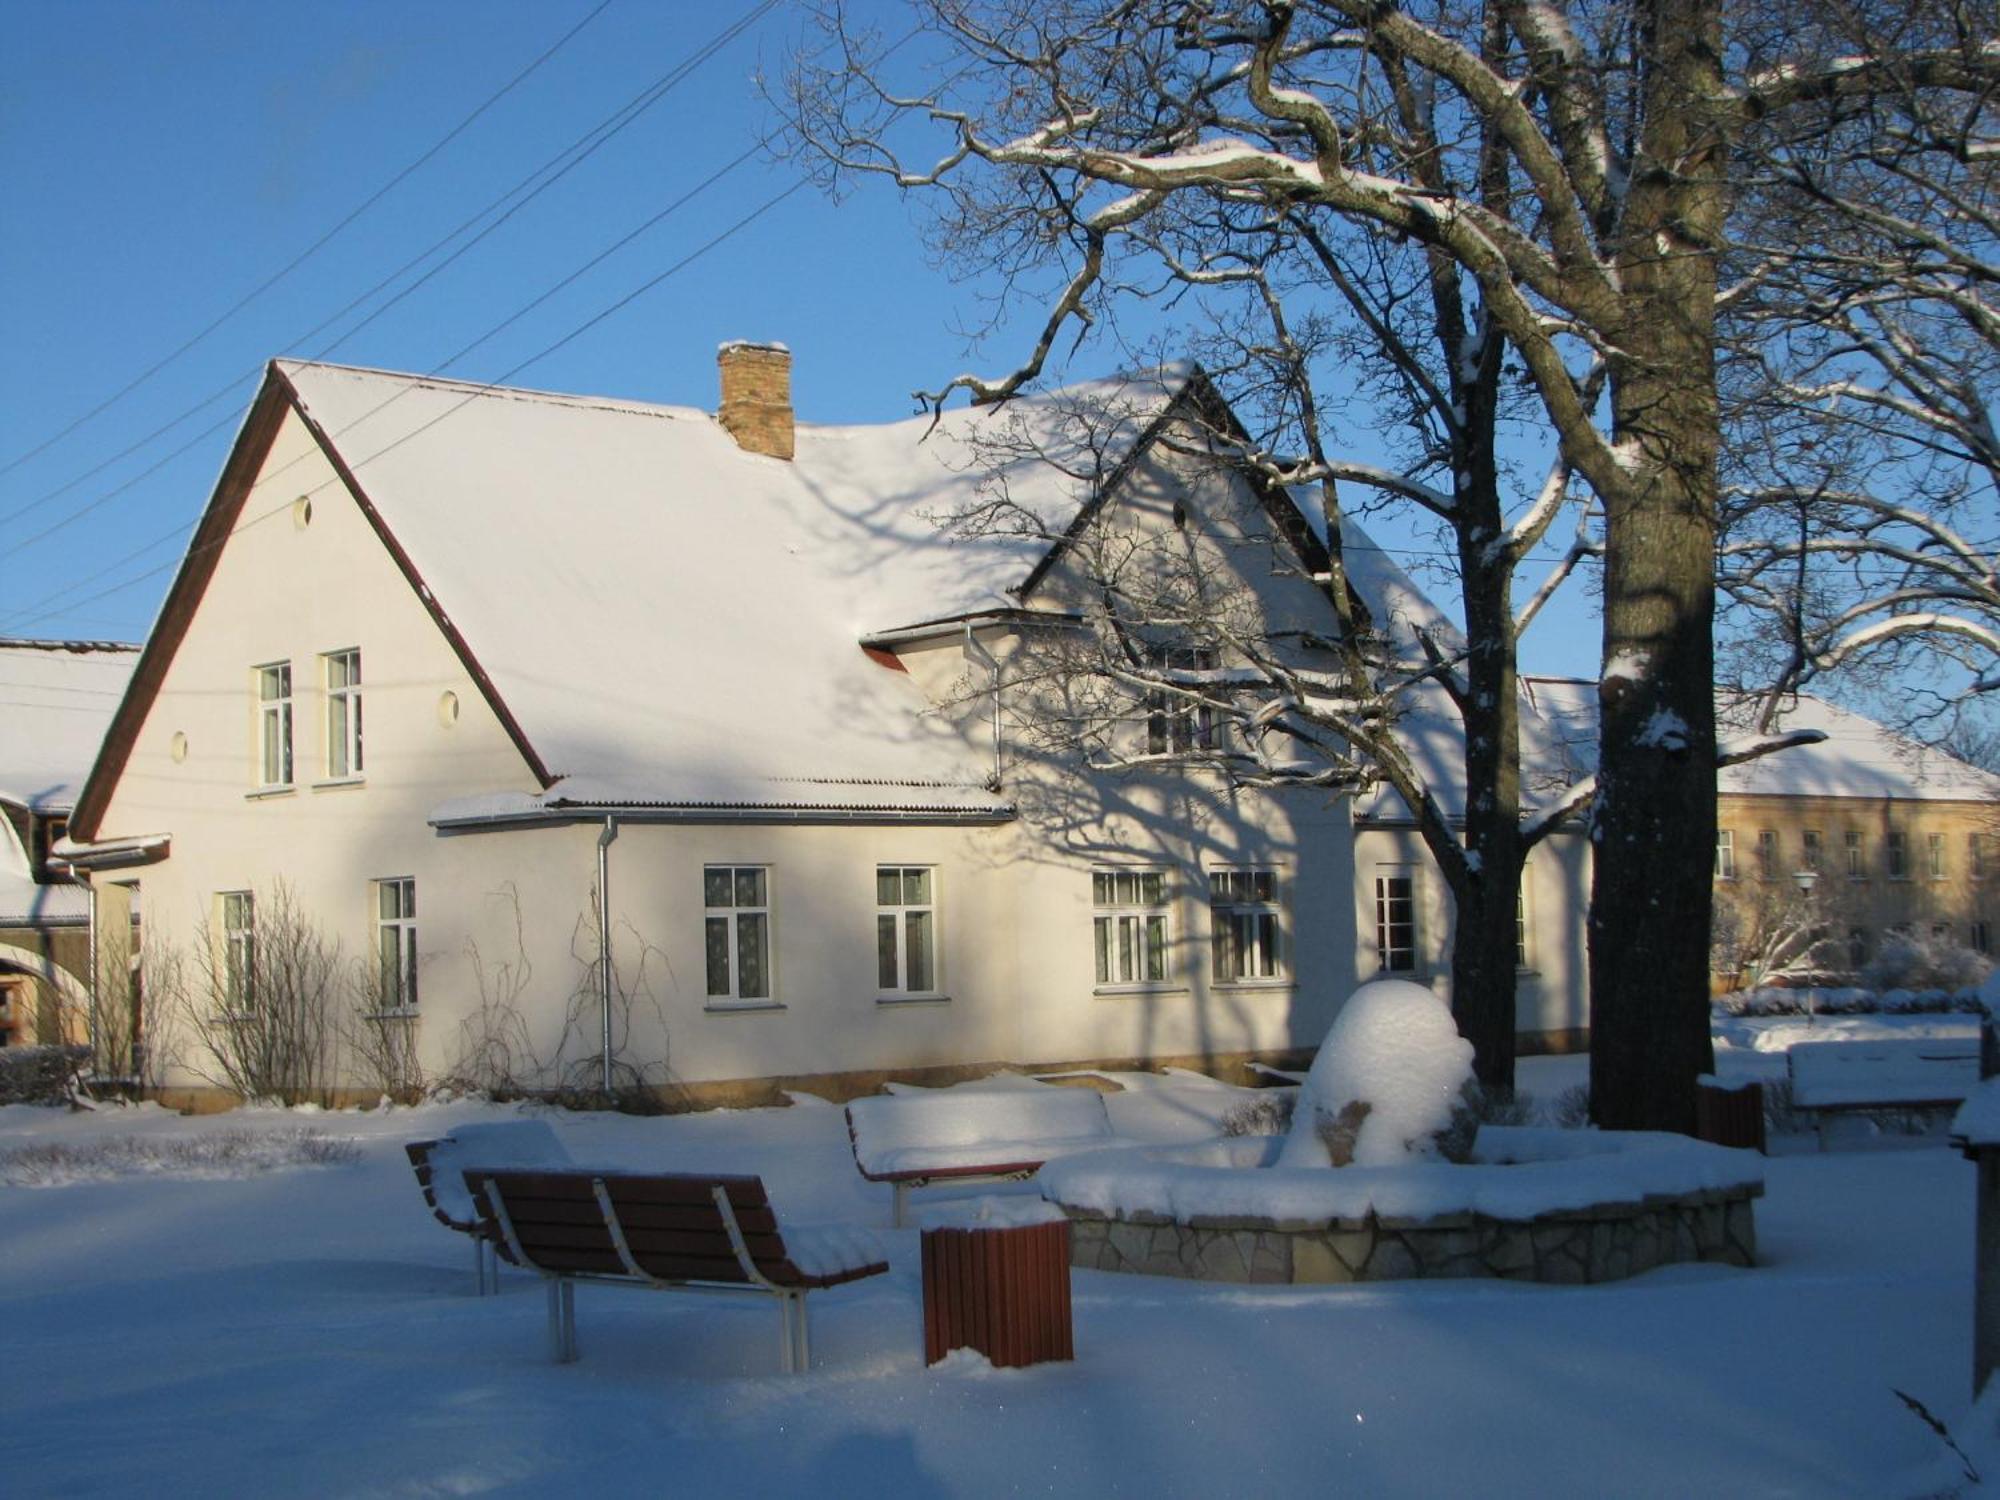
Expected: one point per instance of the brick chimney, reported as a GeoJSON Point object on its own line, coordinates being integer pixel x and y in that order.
{"type": "Point", "coordinates": [757, 397]}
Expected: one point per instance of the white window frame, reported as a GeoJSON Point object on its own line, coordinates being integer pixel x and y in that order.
{"type": "Point", "coordinates": [898, 921]}
{"type": "Point", "coordinates": [1725, 854]}
{"type": "Point", "coordinates": [1975, 849]}
{"type": "Point", "coordinates": [1524, 952]}
{"type": "Point", "coordinates": [396, 944]}
{"type": "Point", "coordinates": [1934, 855]}
{"type": "Point", "coordinates": [1896, 854]}
{"type": "Point", "coordinates": [1236, 910]}
{"type": "Point", "coordinates": [1857, 853]}
{"type": "Point", "coordinates": [274, 724]}
{"type": "Point", "coordinates": [237, 918]}
{"type": "Point", "coordinates": [1131, 926]}
{"type": "Point", "coordinates": [1392, 957]}
{"type": "Point", "coordinates": [1767, 854]}
{"type": "Point", "coordinates": [740, 910]}
{"type": "Point", "coordinates": [1177, 725]}
{"type": "Point", "coordinates": [343, 713]}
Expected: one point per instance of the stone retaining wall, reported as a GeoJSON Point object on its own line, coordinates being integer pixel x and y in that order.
{"type": "Point", "coordinates": [1604, 1243]}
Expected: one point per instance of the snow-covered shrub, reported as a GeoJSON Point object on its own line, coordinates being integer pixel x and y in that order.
{"type": "Point", "coordinates": [39, 1075]}
{"type": "Point", "coordinates": [1915, 961]}
{"type": "Point", "coordinates": [1569, 1110]}
{"type": "Point", "coordinates": [1847, 1000]}
{"type": "Point", "coordinates": [1270, 1113]}
{"type": "Point", "coordinates": [1385, 1083]}
{"type": "Point", "coordinates": [235, 1153]}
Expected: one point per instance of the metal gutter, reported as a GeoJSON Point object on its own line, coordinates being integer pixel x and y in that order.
{"type": "Point", "coordinates": [560, 817]}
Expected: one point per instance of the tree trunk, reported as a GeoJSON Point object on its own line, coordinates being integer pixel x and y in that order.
{"type": "Point", "coordinates": [1653, 823]}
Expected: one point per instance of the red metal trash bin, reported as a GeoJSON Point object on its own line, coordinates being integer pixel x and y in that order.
{"type": "Point", "coordinates": [996, 1279]}
{"type": "Point", "coordinates": [1729, 1114]}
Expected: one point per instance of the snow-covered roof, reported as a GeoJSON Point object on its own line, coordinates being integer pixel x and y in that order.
{"type": "Point", "coordinates": [1858, 758]}
{"type": "Point", "coordinates": [674, 621]}
{"type": "Point", "coordinates": [57, 698]}
{"type": "Point", "coordinates": [24, 902]}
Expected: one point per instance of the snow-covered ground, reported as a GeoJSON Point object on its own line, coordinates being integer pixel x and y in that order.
{"type": "Point", "coordinates": [310, 1330]}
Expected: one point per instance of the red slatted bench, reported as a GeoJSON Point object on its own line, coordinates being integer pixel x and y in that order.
{"type": "Point", "coordinates": [440, 1168]}
{"type": "Point", "coordinates": [666, 1232]}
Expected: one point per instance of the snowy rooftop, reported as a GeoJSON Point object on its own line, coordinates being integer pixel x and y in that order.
{"type": "Point", "coordinates": [58, 698]}
{"type": "Point", "coordinates": [674, 621]}
{"type": "Point", "coordinates": [1859, 758]}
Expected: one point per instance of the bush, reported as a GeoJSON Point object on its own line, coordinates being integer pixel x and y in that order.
{"type": "Point", "coordinates": [234, 1153]}
{"type": "Point", "coordinates": [1270, 1113]}
{"type": "Point", "coordinates": [39, 1075]}
{"type": "Point", "coordinates": [1910, 961]}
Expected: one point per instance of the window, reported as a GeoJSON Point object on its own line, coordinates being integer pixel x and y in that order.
{"type": "Point", "coordinates": [1975, 845]}
{"type": "Point", "coordinates": [1857, 855]}
{"type": "Point", "coordinates": [1396, 924]}
{"type": "Point", "coordinates": [1243, 915]}
{"type": "Point", "coordinates": [1897, 852]}
{"type": "Point", "coordinates": [343, 713]}
{"type": "Point", "coordinates": [905, 931]}
{"type": "Point", "coordinates": [1130, 925]}
{"type": "Point", "coordinates": [1934, 855]}
{"type": "Point", "coordinates": [1173, 724]}
{"type": "Point", "coordinates": [1767, 854]}
{"type": "Point", "coordinates": [1857, 947]}
{"type": "Point", "coordinates": [274, 724]}
{"type": "Point", "coordinates": [1978, 936]}
{"type": "Point", "coordinates": [239, 952]}
{"type": "Point", "coordinates": [1520, 923]}
{"type": "Point", "coordinates": [1940, 932]}
{"type": "Point", "coordinates": [737, 927]}
{"type": "Point", "coordinates": [396, 943]}
{"type": "Point", "coordinates": [1725, 854]}
{"type": "Point", "coordinates": [1809, 851]}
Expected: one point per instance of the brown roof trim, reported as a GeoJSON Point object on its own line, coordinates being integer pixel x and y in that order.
{"type": "Point", "coordinates": [466, 659]}
{"type": "Point", "coordinates": [239, 473]}
{"type": "Point", "coordinates": [274, 399]}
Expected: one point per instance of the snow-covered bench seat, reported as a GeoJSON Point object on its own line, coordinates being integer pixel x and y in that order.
{"type": "Point", "coordinates": [1927, 1073]}
{"type": "Point", "coordinates": [667, 1232]}
{"type": "Point", "coordinates": [993, 1135]}
{"type": "Point", "coordinates": [440, 1167]}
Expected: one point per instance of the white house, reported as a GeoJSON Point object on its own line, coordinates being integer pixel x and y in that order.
{"type": "Point", "coordinates": [56, 697]}
{"type": "Point", "coordinates": [443, 657]}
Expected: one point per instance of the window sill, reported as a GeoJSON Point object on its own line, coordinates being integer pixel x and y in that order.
{"type": "Point", "coordinates": [1118, 991]}
{"type": "Point", "coordinates": [406, 1013]}
{"type": "Point", "coordinates": [263, 793]}
{"type": "Point", "coordinates": [339, 783]}
{"type": "Point", "coordinates": [1286, 983]}
{"type": "Point", "coordinates": [897, 1000]}
{"type": "Point", "coordinates": [731, 1007]}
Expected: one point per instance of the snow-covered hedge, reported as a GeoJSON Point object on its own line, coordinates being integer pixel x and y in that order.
{"type": "Point", "coordinates": [1841, 1000]}
{"type": "Point", "coordinates": [38, 1075]}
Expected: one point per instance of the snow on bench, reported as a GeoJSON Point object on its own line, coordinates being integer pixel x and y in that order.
{"type": "Point", "coordinates": [674, 1231]}
{"type": "Point", "coordinates": [440, 1166]}
{"type": "Point", "coordinates": [994, 1135]}
{"type": "Point", "coordinates": [1931, 1073]}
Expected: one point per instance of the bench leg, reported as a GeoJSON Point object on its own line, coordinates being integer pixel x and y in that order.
{"type": "Point", "coordinates": [902, 1204]}
{"type": "Point", "coordinates": [562, 1319]}
{"type": "Point", "coordinates": [794, 1350]}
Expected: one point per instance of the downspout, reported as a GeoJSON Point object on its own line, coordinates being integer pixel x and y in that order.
{"type": "Point", "coordinates": [96, 981]}
{"type": "Point", "coordinates": [977, 650]}
{"type": "Point", "coordinates": [604, 842]}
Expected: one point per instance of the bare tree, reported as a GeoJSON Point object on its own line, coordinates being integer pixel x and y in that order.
{"type": "Point", "coordinates": [263, 1008]}
{"type": "Point", "coordinates": [1863, 330]}
{"type": "Point", "coordinates": [1585, 218]}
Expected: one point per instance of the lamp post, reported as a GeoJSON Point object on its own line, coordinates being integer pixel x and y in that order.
{"type": "Point", "coordinates": [1806, 879]}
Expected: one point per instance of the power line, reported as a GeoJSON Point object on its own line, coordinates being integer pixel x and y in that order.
{"type": "Point", "coordinates": [300, 259]}
{"type": "Point", "coordinates": [485, 388]}
{"type": "Point", "coordinates": [552, 171]}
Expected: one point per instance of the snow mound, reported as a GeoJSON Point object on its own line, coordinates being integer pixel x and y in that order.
{"type": "Point", "coordinates": [1384, 1083]}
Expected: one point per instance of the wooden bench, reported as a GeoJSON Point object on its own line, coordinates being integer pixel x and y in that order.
{"type": "Point", "coordinates": [970, 1135]}
{"type": "Point", "coordinates": [667, 1232]}
{"type": "Point", "coordinates": [440, 1167]}
{"type": "Point", "coordinates": [1851, 1077]}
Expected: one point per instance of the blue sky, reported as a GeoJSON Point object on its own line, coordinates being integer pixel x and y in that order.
{"type": "Point", "coordinates": [162, 162]}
